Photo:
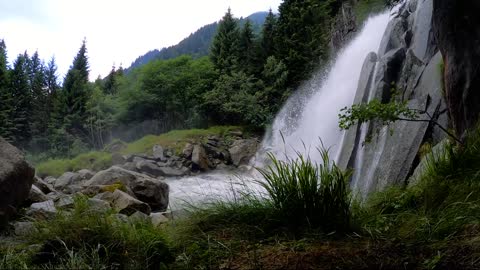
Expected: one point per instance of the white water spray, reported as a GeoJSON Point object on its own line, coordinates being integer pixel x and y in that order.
{"type": "Point", "coordinates": [312, 113]}
{"type": "Point", "coordinates": [307, 119]}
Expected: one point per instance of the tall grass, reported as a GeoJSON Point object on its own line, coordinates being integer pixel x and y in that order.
{"type": "Point", "coordinates": [97, 239]}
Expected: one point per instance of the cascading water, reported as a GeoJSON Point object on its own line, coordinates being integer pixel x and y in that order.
{"type": "Point", "coordinates": [311, 114]}
{"type": "Point", "coordinates": [308, 118]}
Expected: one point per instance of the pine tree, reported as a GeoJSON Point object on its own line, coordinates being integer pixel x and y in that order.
{"type": "Point", "coordinates": [40, 106]}
{"type": "Point", "coordinates": [51, 78]}
{"type": "Point", "coordinates": [76, 90]}
{"type": "Point", "coordinates": [267, 42]}
{"type": "Point", "coordinates": [22, 109]}
{"type": "Point", "coordinates": [6, 99]}
{"type": "Point", "coordinates": [247, 49]}
{"type": "Point", "coordinates": [225, 48]}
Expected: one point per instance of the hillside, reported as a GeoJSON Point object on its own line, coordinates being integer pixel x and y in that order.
{"type": "Point", "coordinates": [196, 44]}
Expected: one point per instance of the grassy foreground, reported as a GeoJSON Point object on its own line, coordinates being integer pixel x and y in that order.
{"type": "Point", "coordinates": [306, 220]}
{"type": "Point", "coordinates": [97, 160]}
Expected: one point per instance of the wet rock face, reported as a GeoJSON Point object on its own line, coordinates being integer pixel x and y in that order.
{"type": "Point", "coordinates": [16, 178]}
{"type": "Point", "coordinates": [456, 25]}
{"type": "Point", "coordinates": [408, 62]}
{"type": "Point", "coordinates": [343, 27]}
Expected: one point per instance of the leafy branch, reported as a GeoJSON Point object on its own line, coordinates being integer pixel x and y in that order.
{"type": "Point", "coordinates": [386, 114]}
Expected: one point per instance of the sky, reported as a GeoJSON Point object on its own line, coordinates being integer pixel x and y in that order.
{"type": "Point", "coordinates": [116, 31]}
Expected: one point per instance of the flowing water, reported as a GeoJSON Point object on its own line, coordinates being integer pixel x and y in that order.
{"type": "Point", "coordinates": [312, 115]}
{"type": "Point", "coordinates": [308, 116]}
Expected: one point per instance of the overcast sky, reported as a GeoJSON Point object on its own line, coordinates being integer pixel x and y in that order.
{"type": "Point", "coordinates": [117, 31]}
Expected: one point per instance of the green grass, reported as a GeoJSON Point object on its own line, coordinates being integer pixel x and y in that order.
{"type": "Point", "coordinates": [92, 161]}
{"type": "Point", "coordinates": [91, 239]}
{"type": "Point", "coordinates": [98, 160]}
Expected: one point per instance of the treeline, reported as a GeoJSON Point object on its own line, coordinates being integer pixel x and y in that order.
{"type": "Point", "coordinates": [244, 81]}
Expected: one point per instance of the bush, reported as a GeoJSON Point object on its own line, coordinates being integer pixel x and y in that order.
{"type": "Point", "coordinates": [312, 194]}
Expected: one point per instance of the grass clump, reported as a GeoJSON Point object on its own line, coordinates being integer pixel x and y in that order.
{"type": "Point", "coordinates": [312, 194]}
{"type": "Point", "coordinates": [91, 238]}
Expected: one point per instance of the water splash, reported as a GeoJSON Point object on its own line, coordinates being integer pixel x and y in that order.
{"type": "Point", "coordinates": [306, 117]}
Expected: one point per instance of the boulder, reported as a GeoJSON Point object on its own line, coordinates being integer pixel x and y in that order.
{"type": "Point", "coordinates": [43, 186]}
{"type": "Point", "coordinates": [456, 26]}
{"type": "Point", "coordinates": [23, 228]}
{"type": "Point", "coordinates": [124, 203]}
{"type": "Point", "coordinates": [130, 166]}
{"type": "Point", "coordinates": [50, 180]}
{"type": "Point", "coordinates": [16, 178]}
{"type": "Point", "coordinates": [118, 159]}
{"type": "Point", "coordinates": [199, 158]}
{"type": "Point", "coordinates": [147, 189]}
{"type": "Point", "coordinates": [85, 174]}
{"type": "Point", "coordinates": [67, 179]}
{"type": "Point", "coordinates": [158, 152]}
{"type": "Point", "coordinates": [98, 205]}
{"type": "Point", "coordinates": [42, 210]}
{"type": "Point", "coordinates": [158, 218]}
{"type": "Point", "coordinates": [242, 151]}
{"type": "Point", "coordinates": [36, 195]}
{"type": "Point", "coordinates": [139, 217]}
{"type": "Point", "coordinates": [65, 202]}
{"type": "Point", "coordinates": [187, 150]}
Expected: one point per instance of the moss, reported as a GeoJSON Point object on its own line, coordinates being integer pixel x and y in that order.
{"type": "Point", "coordinates": [115, 186]}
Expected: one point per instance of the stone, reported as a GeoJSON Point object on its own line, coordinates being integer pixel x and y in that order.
{"type": "Point", "coordinates": [43, 186]}
{"type": "Point", "coordinates": [50, 180]}
{"type": "Point", "coordinates": [242, 151]}
{"type": "Point", "coordinates": [130, 166]}
{"type": "Point", "coordinates": [24, 228]}
{"type": "Point", "coordinates": [65, 202]}
{"type": "Point", "coordinates": [199, 158]}
{"type": "Point", "coordinates": [139, 217]}
{"type": "Point", "coordinates": [118, 159]}
{"type": "Point", "coordinates": [436, 152]}
{"type": "Point", "coordinates": [98, 205]}
{"type": "Point", "coordinates": [85, 174]}
{"type": "Point", "coordinates": [187, 150]}
{"type": "Point", "coordinates": [158, 219]}
{"type": "Point", "coordinates": [393, 37]}
{"type": "Point", "coordinates": [347, 157]}
{"type": "Point", "coordinates": [388, 72]}
{"type": "Point", "coordinates": [121, 218]}
{"type": "Point", "coordinates": [158, 152]}
{"type": "Point", "coordinates": [236, 133]}
{"type": "Point", "coordinates": [36, 195]}
{"type": "Point", "coordinates": [42, 210]}
{"type": "Point", "coordinates": [456, 27]}
{"type": "Point", "coordinates": [423, 40]}
{"type": "Point", "coordinates": [148, 167]}
{"type": "Point", "coordinates": [343, 27]}
{"type": "Point", "coordinates": [67, 179]}
{"type": "Point", "coordinates": [16, 178]}
{"type": "Point", "coordinates": [124, 203]}
{"type": "Point", "coordinates": [147, 189]}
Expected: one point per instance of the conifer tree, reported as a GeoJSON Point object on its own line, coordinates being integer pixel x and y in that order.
{"type": "Point", "coordinates": [225, 46]}
{"type": "Point", "coordinates": [267, 42]}
{"type": "Point", "coordinates": [76, 90]}
{"type": "Point", "coordinates": [247, 49]}
{"type": "Point", "coordinates": [6, 99]}
{"type": "Point", "coordinates": [22, 100]}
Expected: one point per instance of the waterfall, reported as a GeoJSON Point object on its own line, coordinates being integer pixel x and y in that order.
{"type": "Point", "coordinates": [311, 115]}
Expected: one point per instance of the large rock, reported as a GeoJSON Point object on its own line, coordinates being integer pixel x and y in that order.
{"type": "Point", "coordinates": [42, 210]}
{"type": "Point", "coordinates": [242, 151]}
{"type": "Point", "coordinates": [43, 186]}
{"type": "Point", "coordinates": [124, 203]}
{"type": "Point", "coordinates": [158, 152]}
{"type": "Point", "coordinates": [456, 25]}
{"type": "Point", "coordinates": [147, 189]}
{"type": "Point", "coordinates": [199, 158]}
{"type": "Point", "coordinates": [155, 170]}
{"type": "Point", "coordinates": [36, 195]}
{"type": "Point", "coordinates": [16, 178]}
{"type": "Point", "coordinates": [346, 158]}
{"type": "Point", "coordinates": [67, 179]}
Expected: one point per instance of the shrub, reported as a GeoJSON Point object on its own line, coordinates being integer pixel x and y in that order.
{"type": "Point", "coordinates": [309, 193]}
